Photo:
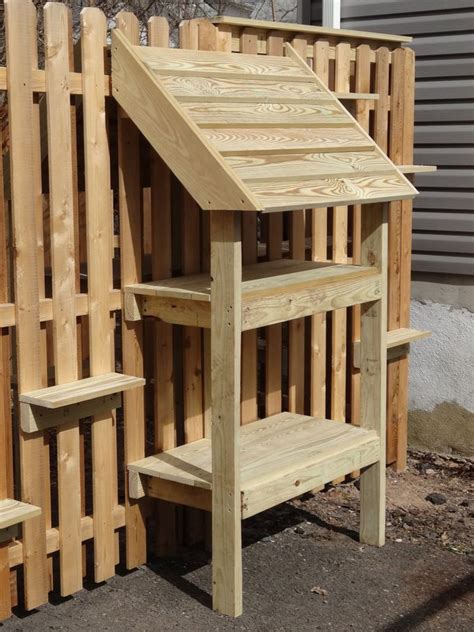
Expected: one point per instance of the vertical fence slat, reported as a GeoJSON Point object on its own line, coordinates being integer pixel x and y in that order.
{"type": "Point", "coordinates": [58, 39]}
{"type": "Point", "coordinates": [362, 84]}
{"type": "Point", "coordinates": [6, 466]}
{"type": "Point", "coordinates": [248, 45]}
{"type": "Point", "coordinates": [164, 403]}
{"type": "Point", "coordinates": [296, 328]}
{"type": "Point", "coordinates": [339, 255]}
{"type": "Point", "coordinates": [131, 252]}
{"type": "Point", "coordinates": [273, 334]}
{"type": "Point", "coordinates": [319, 252]}
{"type": "Point", "coordinates": [99, 235]}
{"type": "Point", "coordinates": [20, 17]}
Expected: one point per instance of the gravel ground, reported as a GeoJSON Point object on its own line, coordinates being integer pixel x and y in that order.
{"type": "Point", "coordinates": [305, 570]}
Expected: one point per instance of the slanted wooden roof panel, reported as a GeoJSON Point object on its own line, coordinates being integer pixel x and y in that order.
{"type": "Point", "coordinates": [251, 132]}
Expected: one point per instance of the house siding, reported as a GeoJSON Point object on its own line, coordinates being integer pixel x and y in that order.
{"type": "Point", "coordinates": [443, 32]}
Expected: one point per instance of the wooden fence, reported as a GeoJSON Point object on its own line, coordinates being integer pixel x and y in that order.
{"type": "Point", "coordinates": [75, 169]}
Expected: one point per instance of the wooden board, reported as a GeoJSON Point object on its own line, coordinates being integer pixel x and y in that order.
{"type": "Point", "coordinates": [14, 512]}
{"type": "Point", "coordinates": [282, 456]}
{"type": "Point", "coordinates": [82, 390]}
{"type": "Point", "coordinates": [24, 175]}
{"type": "Point", "coordinates": [226, 99]}
{"type": "Point", "coordinates": [99, 251]}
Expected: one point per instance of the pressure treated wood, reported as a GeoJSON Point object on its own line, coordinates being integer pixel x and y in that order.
{"type": "Point", "coordinates": [272, 292]}
{"type": "Point", "coordinates": [216, 104]}
{"type": "Point", "coordinates": [282, 456]}
{"type": "Point", "coordinates": [81, 390]}
{"type": "Point", "coordinates": [13, 512]}
{"type": "Point", "coordinates": [397, 342]}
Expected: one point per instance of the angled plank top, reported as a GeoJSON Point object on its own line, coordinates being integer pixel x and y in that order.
{"type": "Point", "coordinates": [251, 132]}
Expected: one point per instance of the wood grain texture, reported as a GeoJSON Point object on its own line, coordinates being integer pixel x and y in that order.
{"type": "Point", "coordinates": [132, 333]}
{"type": "Point", "coordinates": [99, 250]}
{"type": "Point", "coordinates": [226, 266]}
{"type": "Point", "coordinates": [171, 132]}
{"type": "Point", "coordinates": [58, 34]}
{"type": "Point", "coordinates": [20, 19]}
{"type": "Point", "coordinates": [283, 456]}
{"type": "Point", "coordinates": [273, 334]}
{"type": "Point", "coordinates": [248, 45]}
{"type": "Point", "coordinates": [374, 377]}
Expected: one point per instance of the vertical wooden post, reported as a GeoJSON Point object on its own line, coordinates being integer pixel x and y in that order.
{"type": "Point", "coordinates": [319, 252]}
{"type": "Point", "coordinates": [248, 45]}
{"type": "Point", "coordinates": [226, 278]}
{"type": "Point", "coordinates": [273, 333]}
{"type": "Point", "coordinates": [339, 255]}
{"type": "Point", "coordinates": [373, 371]}
{"type": "Point", "coordinates": [6, 448]}
{"type": "Point", "coordinates": [20, 35]}
{"type": "Point", "coordinates": [58, 38]}
{"type": "Point", "coordinates": [99, 236]}
{"type": "Point", "coordinates": [131, 247]}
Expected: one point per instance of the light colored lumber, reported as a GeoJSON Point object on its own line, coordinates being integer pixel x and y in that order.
{"type": "Point", "coordinates": [132, 333]}
{"type": "Point", "coordinates": [319, 252]}
{"type": "Point", "coordinates": [281, 167]}
{"type": "Point", "coordinates": [282, 456]}
{"type": "Point", "coordinates": [171, 132]}
{"type": "Point", "coordinates": [373, 380]}
{"type": "Point", "coordinates": [61, 209]}
{"type": "Point", "coordinates": [292, 195]}
{"type": "Point", "coordinates": [272, 292]}
{"type": "Point", "coordinates": [273, 334]}
{"type": "Point", "coordinates": [16, 549]}
{"type": "Point", "coordinates": [417, 168]}
{"type": "Point", "coordinates": [255, 142]}
{"type": "Point", "coordinates": [356, 96]}
{"type": "Point", "coordinates": [164, 401]}
{"type": "Point", "coordinates": [37, 418]}
{"type": "Point", "coordinates": [398, 341]}
{"type": "Point", "coordinates": [216, 114]}
{"type": "Point", "coordinates": [13, 512]}
{"type": "Point", "coordinates": [201, 89]}
{"type": "Point", "coordinates": [99, 251]}
{"type": "Point", "coordinates": [8, 317]}
{"type": "Point", "coordinates": [81, 390]}
{"type": "Point", "coordinates": [38, 81]}
{"type": "Point", "coordinates": [226, 273]}
{"type": "Point", "coordinates": [249, 351]}
{"type": "Point", "coordinates": [20, 22]}
{"type": "Point", "coordinates": [200, 63]}
{"type": "Point", "coordinates": [317, 31]}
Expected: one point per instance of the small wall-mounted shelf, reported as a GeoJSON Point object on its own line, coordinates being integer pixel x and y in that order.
{"type": "Point", "coordinates": [282, 456]}
{"type": "Point", "coordinates": [57, 405]}
{"type": "Point", "coordinates": [12, 513]}
{"type": "Point", "coordinates": [398, 343]}
{"type": "Point", "coordinates": [272, 292]}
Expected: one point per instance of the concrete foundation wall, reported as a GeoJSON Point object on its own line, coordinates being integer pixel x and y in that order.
{"type": "Point", "coordinates": [441, 394]}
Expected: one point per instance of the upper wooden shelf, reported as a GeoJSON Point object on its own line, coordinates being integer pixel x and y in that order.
{"type": "Point", "coordinates": [251, 132]}
{"type": "Point", "coordinates": [272, 292]}
{"type": "Point", "coordinates": [281, 457]}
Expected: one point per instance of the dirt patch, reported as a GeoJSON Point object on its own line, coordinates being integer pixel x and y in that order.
{"type": "Point", "coordinates": [304, 569]}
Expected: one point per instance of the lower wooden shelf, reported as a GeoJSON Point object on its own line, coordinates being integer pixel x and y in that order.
{"type": "Point", "coordinates": [282, 457]}
{"type": "Point", "coordinates": [272, 292]}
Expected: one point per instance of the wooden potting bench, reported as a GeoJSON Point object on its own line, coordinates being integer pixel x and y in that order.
{"type": "Point", "coordinates": [246, 134]}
